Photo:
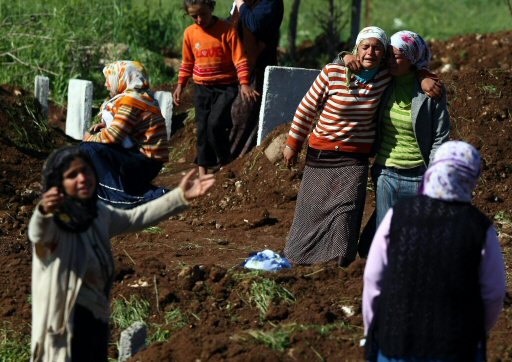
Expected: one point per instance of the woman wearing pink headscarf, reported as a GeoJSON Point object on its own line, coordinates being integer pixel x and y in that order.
{"type": "Point", "coordinates": [410, 124]}
{"type": "Point", "coordinates": [434, 281]}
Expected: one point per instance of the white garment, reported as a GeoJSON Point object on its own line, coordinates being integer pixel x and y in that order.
{"type": "Point", "coordinates": [59, 263]}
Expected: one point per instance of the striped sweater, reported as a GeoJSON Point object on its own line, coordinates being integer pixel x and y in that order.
{"type": "Point", "coordinates": [213, 56]}
{"type": "Point", "coordinates": [140, 121]}
{"type": "Point", "coordinates": [346, 122]}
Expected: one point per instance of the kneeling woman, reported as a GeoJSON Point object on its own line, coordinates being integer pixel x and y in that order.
{"type": "Point", "coordinates": [129, 146]}
{"type": "Point", "coordinates": [72, 263]}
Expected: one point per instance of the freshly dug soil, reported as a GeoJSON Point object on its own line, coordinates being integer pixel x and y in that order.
{"type": "Point", "coordinates": [203, 305]}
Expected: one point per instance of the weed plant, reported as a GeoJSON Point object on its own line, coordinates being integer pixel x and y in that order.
{"type": "Point", "coordinates": [75, 39]}
{"type": "Point", "coordinates": [14, 346]}
{"type": "Point", "coordinates": [126, 312]}
{"type": "Point", "coordinates": [278, 337]}
{"type": "Point", "coordinates": [265, 291]}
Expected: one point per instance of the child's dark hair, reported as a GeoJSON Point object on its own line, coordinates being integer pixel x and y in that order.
{"type": "Point", "coordinates": [187, 3]}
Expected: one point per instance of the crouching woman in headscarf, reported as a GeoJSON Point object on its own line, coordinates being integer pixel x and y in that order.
{"type": "Point", "coordinates": [129, 146]}
{"type": "Point", "coordinates": [72, 262]}
{"type": "Point", "coordinates": [434, 282]}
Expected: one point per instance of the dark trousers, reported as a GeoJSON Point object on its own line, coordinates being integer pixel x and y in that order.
{"type": "Point", "coordinates": [213, 122]}
{"type": "Point", "coordinates": [124, 176]}
{"type": "Point", "coordinates": [90, 337]}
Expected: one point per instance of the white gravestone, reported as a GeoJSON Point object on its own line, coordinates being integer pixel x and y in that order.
{"type": "Point", "coordinates": [79, 114]}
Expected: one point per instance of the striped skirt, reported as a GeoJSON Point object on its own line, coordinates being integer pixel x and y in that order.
{"type": "Point", "coordinates": [328, 215]}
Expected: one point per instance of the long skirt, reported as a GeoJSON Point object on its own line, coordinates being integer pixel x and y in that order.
{"type": "Point", "coordinates": [124, 176]}
{"type": "Point", "coordinates": [328, 215]}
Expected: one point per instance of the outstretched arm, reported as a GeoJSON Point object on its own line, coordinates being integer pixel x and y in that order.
{"type": "Point", "coordinates": [173, 202]}
{"type": "Point", "coordinates": [193, 188]}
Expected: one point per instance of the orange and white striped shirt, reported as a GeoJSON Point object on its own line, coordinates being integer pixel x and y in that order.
{"type": "Point", "coordinates": [213, 56]}
{"type": "Point", "coordinates": [137, 118]}
{"type": "Point", "coordinates": [347, 119]}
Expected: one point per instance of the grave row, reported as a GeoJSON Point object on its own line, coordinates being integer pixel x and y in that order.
{"type": "Point", "coordinates": [283, 89]}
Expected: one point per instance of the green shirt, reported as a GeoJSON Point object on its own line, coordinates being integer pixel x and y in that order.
{"type": "Point", "coordinates": [399, 147]}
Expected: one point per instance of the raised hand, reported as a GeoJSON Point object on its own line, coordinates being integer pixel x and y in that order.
{"type": "Point", "coordinates": [51, 200]}
{"type": "Point", "coordinates": [193, 188]}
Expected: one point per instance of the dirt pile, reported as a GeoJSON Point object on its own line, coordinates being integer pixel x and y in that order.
{"type": "Point", "coordinates": [203, 305]}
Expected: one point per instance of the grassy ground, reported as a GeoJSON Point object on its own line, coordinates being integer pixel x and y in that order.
{"type": "Point", "coordinates": [73, 39]}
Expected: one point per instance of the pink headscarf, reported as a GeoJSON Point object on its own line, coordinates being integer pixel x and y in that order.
{"type": "Point", "coordinates": [413, 47]}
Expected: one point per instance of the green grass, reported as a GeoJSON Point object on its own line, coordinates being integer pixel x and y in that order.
{"type": "Point", "coordinates": [503, 218]}
{"type": "Point", "coordinates": [125, 312]}
{"type": "Point", "coordinates": [14, 346]}
{"type": "Point", "coordinates": [264, 292]}
{"type": "Point", "coordinates": [174, 320]}
{"type": "Point", "coordinates": [279, 336]}
{"type": "Point", "coordinates": [74, 39]}
{"type": "Point", "coordinates": [153, 230]}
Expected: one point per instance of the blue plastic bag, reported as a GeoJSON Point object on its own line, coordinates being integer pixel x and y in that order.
{"type": "Point", "coordinates": [267, 260]}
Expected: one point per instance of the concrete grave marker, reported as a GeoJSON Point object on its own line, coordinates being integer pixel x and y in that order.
{"type": "Point", "coordinates": [165, 101]}
{"type": "Point", "coordinates": [132, 340]}
{"type": "Point", "coordinates": [78, 118]}
{"type": "Point", "coordinates": [41, 92]}
{"type": "Point", "coordinates": [283, 89]}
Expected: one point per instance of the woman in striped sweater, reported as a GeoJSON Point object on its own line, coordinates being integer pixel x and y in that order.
{"type": "Point", "coordinates": [331, 199]}
{"type": "Point", "coordinates": [129, 145]}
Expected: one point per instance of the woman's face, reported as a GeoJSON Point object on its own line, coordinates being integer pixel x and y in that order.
{"type": "Point", "coordinates": [370, 52]}
{"type": "Point", "coordinates": [202, 14]}
{"type": "Point", "coordinates": [111, 91]}
{"type": "Point", "coordinates": [398, 64]}
{"type": "Point", "coordinates": [79, 180]}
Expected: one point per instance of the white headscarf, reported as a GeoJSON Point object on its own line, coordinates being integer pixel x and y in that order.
{"type": "Point", "coordinates": [373, 32]}
{"type": "Point", "coordinates": [125, 75]}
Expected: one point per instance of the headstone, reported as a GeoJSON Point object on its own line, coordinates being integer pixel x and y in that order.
{"type": "Point", "coordinates": [274, 151]}
{"type": "Point", "coordinates": [41, 92]}
{"type": "Point", "coordinates": [132, 340]}
{"type": "Point", "coordinates": [165, 101]}
{"type": "Point", "coordinates": [79, 114]}
{"type": "Point", "coordinates": [283, 89]}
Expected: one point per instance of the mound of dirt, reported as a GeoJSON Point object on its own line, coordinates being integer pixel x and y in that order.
{"type": "Point", "coordinates": [203, 305]}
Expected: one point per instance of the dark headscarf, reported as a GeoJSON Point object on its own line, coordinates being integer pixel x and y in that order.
{"type": "Point", "coordinates": [73, 215]}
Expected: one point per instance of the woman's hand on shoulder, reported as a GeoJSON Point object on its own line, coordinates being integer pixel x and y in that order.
{"type": "Point", "coordinates": [193, 188]}
{"type": "Point", "coordinates": [352, 63]}
{"type": "Point", "coordinates": [432, 88]}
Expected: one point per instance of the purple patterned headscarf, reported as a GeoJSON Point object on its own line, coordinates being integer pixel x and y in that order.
{"type": "Point", "coordinates": [413, 47]}
{"type": "Point", "coordinates": [454, 172]}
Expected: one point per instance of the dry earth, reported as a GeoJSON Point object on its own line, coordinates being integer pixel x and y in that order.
{"type": "Point", "coordinates": [188, 268]}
